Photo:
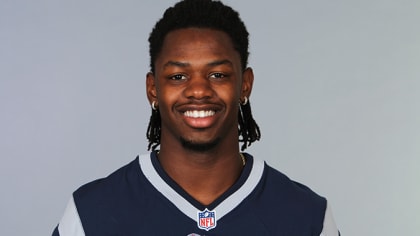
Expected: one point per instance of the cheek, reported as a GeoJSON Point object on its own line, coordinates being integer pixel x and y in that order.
{"type": "Point", "coordinates": [230, 95]}
{"type": "Point", "coordinates": [166, 96]}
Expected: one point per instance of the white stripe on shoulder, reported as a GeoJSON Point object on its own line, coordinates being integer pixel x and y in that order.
{"type": "Point", "coordinates": [186, 207]}
{"type": "Point", "coordinates": [329, 229]}
{"type": "Point", "coordinates": [154, 178]}
{"type": "Point", "coordinates": [237, 197]}
{"type": "Point", "coordinates": [70, 224]}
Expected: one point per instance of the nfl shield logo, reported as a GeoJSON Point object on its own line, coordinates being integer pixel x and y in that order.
{"type": "Point", "coordinates": [206, 219]}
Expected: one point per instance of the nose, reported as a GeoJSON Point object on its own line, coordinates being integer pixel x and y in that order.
{"type": "Point", "coordinates": [198, 87]}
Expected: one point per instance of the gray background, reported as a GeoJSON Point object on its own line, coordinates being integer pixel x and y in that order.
{"type": "Point", "coordinates": [336, 95]}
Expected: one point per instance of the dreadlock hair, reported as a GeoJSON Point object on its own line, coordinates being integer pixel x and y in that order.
{"type": "Point", "coordinates": [153, 130]}
{"type": "Point", "coordinates": [248, 128]}
{"type": "Point", "coordinates": [203, 14]}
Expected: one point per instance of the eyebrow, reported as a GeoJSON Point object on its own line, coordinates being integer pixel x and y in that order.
{"type": "Point", "coordinates": [186, 64]}
{"type": "Point", "coordinates": [176, 64]}
{"type": "Point", "coordinates": [220, 62]}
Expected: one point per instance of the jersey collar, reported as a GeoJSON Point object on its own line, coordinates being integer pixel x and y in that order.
{"type": "Point", "coordinates": [247, 182]}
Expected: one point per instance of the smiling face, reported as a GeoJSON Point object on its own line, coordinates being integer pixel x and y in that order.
{"type": "Point", "coordinates": [198, 83]}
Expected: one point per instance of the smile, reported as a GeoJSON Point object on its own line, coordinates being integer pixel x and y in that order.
{"type": "Point", "coordinates": [199, 114]}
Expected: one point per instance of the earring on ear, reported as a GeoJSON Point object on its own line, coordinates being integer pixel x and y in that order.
{"type": "Point", "coordinates": [245, 101]}
{"type": "Point", "coordinates": [153, 105]}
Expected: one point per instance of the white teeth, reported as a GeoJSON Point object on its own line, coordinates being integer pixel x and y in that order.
{"type": "Point", "coordinates": [198, 114]}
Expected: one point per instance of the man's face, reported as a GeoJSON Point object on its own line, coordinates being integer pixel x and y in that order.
{"type": "Point", "coordinates": [198, 83]}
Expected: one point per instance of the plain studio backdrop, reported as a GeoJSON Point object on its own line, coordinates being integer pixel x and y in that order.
{"type": "Point", "coordinates": [336, 94]}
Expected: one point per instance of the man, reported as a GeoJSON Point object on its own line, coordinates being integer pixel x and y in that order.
{"type": "Point", "coordinates": [198, 182]}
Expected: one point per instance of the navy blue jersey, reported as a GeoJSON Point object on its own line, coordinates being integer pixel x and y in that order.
{"type": "Point", "coordinates": [141, 199]}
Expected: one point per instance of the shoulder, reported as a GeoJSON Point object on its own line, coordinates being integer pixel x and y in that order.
{"type": "Point", "coordinates": [279, 183]}
{"type": "Point", "coordinates": [104, 186]}
{"type": "Point", "coordinates": [91, 201]}
{"type": "Point", "coordinates": [281, 199]}
{"type": "Point", "coordinates": [110, 202]}
{"type": "Point", "coordinates": [298, 201]}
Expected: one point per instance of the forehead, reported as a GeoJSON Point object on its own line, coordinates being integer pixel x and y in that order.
{"type": "Point", "coordinates": [197, 44]}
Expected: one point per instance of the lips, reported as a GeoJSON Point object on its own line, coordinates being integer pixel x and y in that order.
{"type": "Point", "coordinates": [199, 113]}
{"type": "Point", "coordinates": [200, 116]}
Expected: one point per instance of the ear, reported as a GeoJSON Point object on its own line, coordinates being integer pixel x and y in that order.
{"type": "Point", "coordinates": [247, 82]}
{"type": "Point", "coordinates": [151, 87]}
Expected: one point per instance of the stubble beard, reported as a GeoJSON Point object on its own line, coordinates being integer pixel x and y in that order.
{"type": "Point", "coordinates": [199, 147]}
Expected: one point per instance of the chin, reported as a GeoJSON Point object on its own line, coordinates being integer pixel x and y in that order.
{"type": "Point", "coordinates": [199, 146]}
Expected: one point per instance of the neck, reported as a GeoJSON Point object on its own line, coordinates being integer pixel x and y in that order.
{"type": "Point", "coordinates": [203, 175]}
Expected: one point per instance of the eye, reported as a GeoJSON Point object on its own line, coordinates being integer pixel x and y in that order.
{"type": "Point", "coordinates": [217, 75]}
{"type": "Point", "coordinates": [178, 77]}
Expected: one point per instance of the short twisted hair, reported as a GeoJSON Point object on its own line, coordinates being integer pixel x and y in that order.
{"type": "Point", "coordinates": [203, 14]}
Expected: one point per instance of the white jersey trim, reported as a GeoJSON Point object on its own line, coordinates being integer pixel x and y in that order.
{"type": "Point", "coordinates": [70, 224]}
{"type": "Point", "coordinates": [186, 207]}
{"type": "Point", "coordinates": [329, 228]}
